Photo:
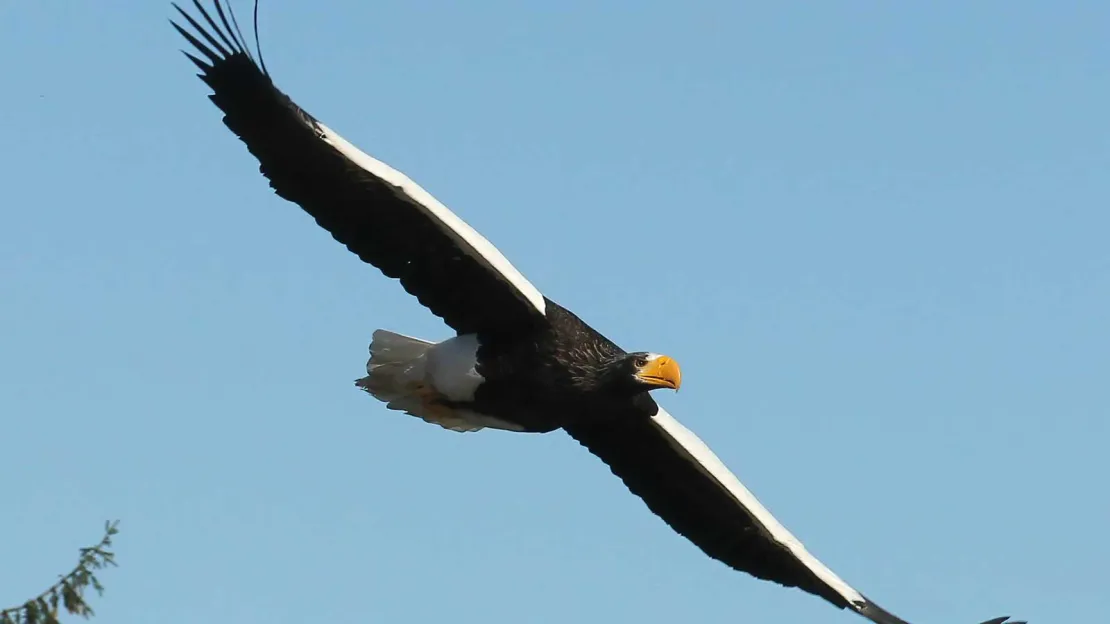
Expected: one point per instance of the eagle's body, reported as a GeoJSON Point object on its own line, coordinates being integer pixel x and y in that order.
{"type": "Point", "coordinates": [518, 361]}
{"type": "Point", "coordinates": [534, 380]}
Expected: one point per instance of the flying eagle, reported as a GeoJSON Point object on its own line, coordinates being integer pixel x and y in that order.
{"type": "Point", "coordinates": [519, 361]}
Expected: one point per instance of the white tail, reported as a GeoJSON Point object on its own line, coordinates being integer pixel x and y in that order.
{"type": "Point", "coordinates": [405, 374]}
{"type": "Point", "coordinates": [395, 372]}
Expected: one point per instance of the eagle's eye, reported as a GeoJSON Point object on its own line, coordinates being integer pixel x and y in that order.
{"type": "Point", "coordinates": [640, 362]}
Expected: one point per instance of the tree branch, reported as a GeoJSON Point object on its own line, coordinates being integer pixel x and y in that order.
{"type": "Point", "coordinates": [69, 591]}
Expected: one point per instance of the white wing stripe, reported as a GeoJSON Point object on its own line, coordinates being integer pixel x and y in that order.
{"type": "Point", "coordinates": [470, 240]}
{"type": "Point", "coordinates": [686, 441]}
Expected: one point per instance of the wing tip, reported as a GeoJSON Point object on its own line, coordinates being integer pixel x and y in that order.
{"type": "Point", "coordinates": [879, 615]}
{"type": "Point", "coordinates": [875, 613]}
{"type": "Point", "coordinates": [223, 40]}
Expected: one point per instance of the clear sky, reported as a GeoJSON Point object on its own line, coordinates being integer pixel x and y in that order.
{"type": "Point", "coordinates": [873, 234]}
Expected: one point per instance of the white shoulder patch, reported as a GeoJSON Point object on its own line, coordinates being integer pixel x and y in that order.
{"type": "Point", "coordinates": [473, 243]}
{"type": "Point", "coordinates": [686, 442]}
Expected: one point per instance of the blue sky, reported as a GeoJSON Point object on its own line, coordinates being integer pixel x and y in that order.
{"type": "Point", "coordinates": [881, 231]}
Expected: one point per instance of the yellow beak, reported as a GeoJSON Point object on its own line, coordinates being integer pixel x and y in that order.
{"type": "Point", "coordinates": [662, 372]}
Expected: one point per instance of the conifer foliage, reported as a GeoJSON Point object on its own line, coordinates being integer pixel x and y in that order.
{"type": "Point", "coordinates": [69, 592]}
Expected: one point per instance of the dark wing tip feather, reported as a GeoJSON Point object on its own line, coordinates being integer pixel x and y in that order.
{"type": "Point", "coordinates": [879, 615]}
{"type": "Point", "coordinates": [228, 41]}
{"type": "Point", "coordinates": [203, 33]}
{"type": "Point", "coordinates": [204, 67]}
{"type": "Point", "coordinates": [257, 42]}
{"type": "Point", "coordinates": [236, 33]}
{"type": "Point", "coordinates": [875, 613]}
{"type": "Point", "coordinates": [203, 49]}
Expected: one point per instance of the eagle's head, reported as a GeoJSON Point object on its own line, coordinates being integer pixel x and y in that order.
{"type": "Point", "coordinates": [643, 371]}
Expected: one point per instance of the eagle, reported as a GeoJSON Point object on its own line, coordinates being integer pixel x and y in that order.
{"type": "Point", "coordinates": [519, 361]}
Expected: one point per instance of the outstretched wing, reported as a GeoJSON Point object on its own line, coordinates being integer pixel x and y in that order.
{"type": "Point", "coordinates": [683, 482]}
{"type": "Point", "coordinates": [375, 211]}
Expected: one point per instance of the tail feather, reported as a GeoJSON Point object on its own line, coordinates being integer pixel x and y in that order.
{"type": "Point", "coordinates": [396, 367]}
{"type": "Point", "coordinates": [396, 375]}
